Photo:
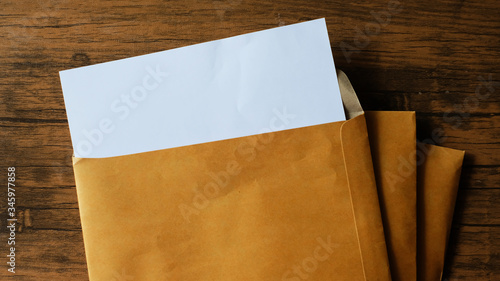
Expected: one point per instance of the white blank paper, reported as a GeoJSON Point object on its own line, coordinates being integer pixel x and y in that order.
{"type": "Point", "coordinates": [271, 80]}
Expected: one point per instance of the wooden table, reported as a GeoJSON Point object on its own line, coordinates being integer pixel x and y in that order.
{"type": "Point", "coordinates": [428, 56]}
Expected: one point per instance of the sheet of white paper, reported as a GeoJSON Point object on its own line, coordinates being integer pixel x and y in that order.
{"type": "Point", "coordinates": [271, 80]}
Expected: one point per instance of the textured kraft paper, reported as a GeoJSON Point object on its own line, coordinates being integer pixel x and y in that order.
{"type": "Point", "coordinates": [393, 145]}
{"type": "Point", "coordinates": [438, 180]}
{"type": "Point", "coordinates": [289, 205]}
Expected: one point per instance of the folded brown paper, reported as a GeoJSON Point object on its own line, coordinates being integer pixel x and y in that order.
{"type": "Point", "coordinates": [392, 140]}
{"type": "Point", "coordinates": [438, 179]}
{"type": "Point", "coordinates": [393, 145]}
{"type": "Point", "coordinates": [289, 205]}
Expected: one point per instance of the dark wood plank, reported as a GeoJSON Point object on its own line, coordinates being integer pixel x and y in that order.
{"type": "Point", "coordinates": [478, 207]}
{"type": "Point", "coordinates": [61, 256]}
{"type": "Point", "coordinates": [473, 254]}
{"type": "Point", "coordinates": [431, 58]}
{"type": "Point", "coordinates": [480, 177]}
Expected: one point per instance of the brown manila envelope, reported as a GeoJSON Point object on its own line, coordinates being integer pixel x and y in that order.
{"type": "Point", "coordinates": [291, 204]}
{"type": "Point", "coordinates": [393, 146]}
{"type": "Point", "coordinates": [438, 180]}
{"type": "Point", "coordinates": [288, 205]}
{"type": "Point", "coordinates": [395, 157]}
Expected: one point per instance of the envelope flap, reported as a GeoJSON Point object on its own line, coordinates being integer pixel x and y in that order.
{"type": "Point", "coordinates": [366, 208]}
{"type": "Point", "coordinates": [362, 184]}
{"type": "Point", "coordinates": [350, 100]}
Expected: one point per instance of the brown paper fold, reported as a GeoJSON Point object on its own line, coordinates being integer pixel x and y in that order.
{"type": "Point", "coordinates": [393, 146]}
{"type": "Point", "coordinates": [438, 179]}
{"type": "Point", "coordinates": [367, 213]}
{"type": "Point", "coordinates": [394, 151]}
{"type": "Point", "coordinates": [289, 205]}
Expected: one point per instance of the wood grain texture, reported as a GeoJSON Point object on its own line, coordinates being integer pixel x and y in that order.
{"type": "Point", "coordinates": [431, 57]}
